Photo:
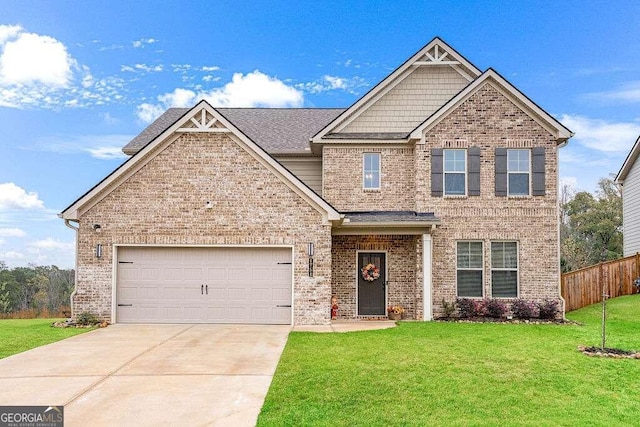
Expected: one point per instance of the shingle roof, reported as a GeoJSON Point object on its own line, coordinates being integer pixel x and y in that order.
{"type": "Point", "coordinates": [277, 130]}
{"type": "Point", "coordinates": [391, 216]}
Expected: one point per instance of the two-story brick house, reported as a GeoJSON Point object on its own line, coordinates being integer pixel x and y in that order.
{"type": "Point", "coordinates": [440, 182]}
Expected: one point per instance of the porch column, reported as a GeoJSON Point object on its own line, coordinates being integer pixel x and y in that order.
{"type": "Point", "coordinates": [426, 275]}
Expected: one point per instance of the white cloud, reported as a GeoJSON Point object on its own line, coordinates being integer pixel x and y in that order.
{"type": "Point", "coordinates": [29, 58]}
{"type": "Point", "coordinates": [12, 232]}
{"type": "Point", "coordinates": [628, 92]}
{"type": "Point", "coordinates": [14, 197]}
{"type": "Point", "coordinates": [178, 98]}
{"type": "Point", "coordinates": [106, 147]}
{"type": "Point", "coordinates": [143, 42]}
{"type": "Point", "coordinates": [142, 68]}
{"type": "Point", "coordinates": [8, 32]}
{"type": "Point", "coordinates": [50, 244]}
{"type": "Point", "coordinates": [106, 153]}
{"type": "Point", "coordinates": [149, 112]}
{"type": "Point", "coordinates": [602, 135]}
{"type": "Point", "coordinates": [38, 71]}
{"type": "Point", "coordinates": [211, 68]}
{"type": "Point", "coordinates": [328, 82]}
{"type": "Point", "coordinates": [254, 89]}
{"type": "Point", "coordinates": [12, 255]}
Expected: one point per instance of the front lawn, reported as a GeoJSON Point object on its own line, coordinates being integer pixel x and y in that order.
{"type": "Point", "coordinates": [461, 374]}
{"type": "Point", "coordinates": [18, 335]}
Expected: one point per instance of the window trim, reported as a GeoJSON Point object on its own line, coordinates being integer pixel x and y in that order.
{"type": "Point", "coordinates": [481, 269]}
{"type": "Point", "coordinates": [364, 171]}
{"type": "Point", "coordinates": [445, 173]}
{"type": "Point", "coordinates": [517, 269]}
{"type": "Point", "coordinates": [529, 173]}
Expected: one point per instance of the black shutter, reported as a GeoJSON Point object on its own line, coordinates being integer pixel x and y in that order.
{"type": "Point", "coordinates": [501, 172]}
{"type": "Point", "coordinates": [537, 167]}
{"type": "Point", "coordinates": [436, 172]}
{"type": "Point", "coordinates": [473, 171]}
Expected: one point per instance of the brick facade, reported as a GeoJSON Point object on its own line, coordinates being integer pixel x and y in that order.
{"type": "Point", "coordinates": [163, 203]}
{"type": "Point", "coordinates": [486, 120]}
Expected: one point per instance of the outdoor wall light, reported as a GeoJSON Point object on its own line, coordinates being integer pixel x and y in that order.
{"type": "Point", "coordinates": [208, 205]}
{"type": "Point", "coordinates": [310, 249]}
{"type": "Point", "coordinates": [96, 228]}
{"type": "Point", "coordinates": [98, 250]}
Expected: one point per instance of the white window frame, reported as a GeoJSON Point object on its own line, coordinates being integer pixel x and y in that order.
{"type": "Point", "coordinates": [517, 269]}
{"type": "Point", "coordinates": [509, 172]}
{"type": "Point", "coordinates": [365, 171]}
{"type": "Point", "coordinates": [481, 268]}
{"type": "Point", "coordinates": [445, 173]}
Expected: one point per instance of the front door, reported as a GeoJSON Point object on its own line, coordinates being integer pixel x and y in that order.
{"type": "Point", "coordinates": [371, 283]}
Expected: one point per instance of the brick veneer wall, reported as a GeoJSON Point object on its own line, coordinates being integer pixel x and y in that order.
{"type": "Point", "coordinates": [489, 120]}
{"type": "Point", "coordinates": [401, 271]}
{"type": "Point", "coordinates": [163, 203]}
{"type": "Point", "coordinates": [342, 179]}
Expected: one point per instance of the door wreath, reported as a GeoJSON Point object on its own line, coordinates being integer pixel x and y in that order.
{"type": "Point", "coordinates": [370, 272]}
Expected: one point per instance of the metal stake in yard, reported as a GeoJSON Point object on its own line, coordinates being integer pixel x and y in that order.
{"type": "Point", "coordinates": [604, 316]}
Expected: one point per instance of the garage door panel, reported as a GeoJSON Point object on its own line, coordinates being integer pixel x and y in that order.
{"type": "Point", "coordinates": [164, 285]}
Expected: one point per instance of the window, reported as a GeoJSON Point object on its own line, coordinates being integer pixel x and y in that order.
{"type": "Point", "coordinates": [469, 269]}
{"type": "Point", "coordinates": [455, 172]}
{"type": "Point", "coordinates": [371, 171]}
{"type": "Point", "coordinates": [518, 167]}
{"type": "Point", "coordinates": [504, 269]}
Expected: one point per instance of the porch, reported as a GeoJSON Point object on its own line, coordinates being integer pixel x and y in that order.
{"type": "Point", "coordinates": [383, 259]}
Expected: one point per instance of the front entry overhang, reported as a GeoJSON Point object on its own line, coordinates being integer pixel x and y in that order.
{"type": "Point", "coordinates": [386, 222]}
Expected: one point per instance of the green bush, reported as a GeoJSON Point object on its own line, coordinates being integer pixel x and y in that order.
{"type": "Point", "coordinates": [86, 319]}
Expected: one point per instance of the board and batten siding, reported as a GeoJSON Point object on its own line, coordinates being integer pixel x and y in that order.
{"type": "Point", "coordinates": [411, 101]}
{"type": "Point", "coordinates": [309, 170]}
{"type": "Point", "coordinates": [631, 210]}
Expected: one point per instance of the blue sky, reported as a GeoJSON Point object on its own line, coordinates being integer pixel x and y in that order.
{"type": "Point", "coordinates": [79, 79]}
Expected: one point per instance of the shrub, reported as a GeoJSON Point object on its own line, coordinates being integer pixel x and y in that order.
{"type": "Point", "coordinates": [548, 309]}
{"type": "Point", "coordinates": [448, 307]}
{"type": "Point", "coordinates": [524, 309]}
{"type": "Point", "coordinates": [468, 307]}
{"type": "Point", "coordinates": [494, 308]}
{"type": "Point", "coordinates": [86, 319]}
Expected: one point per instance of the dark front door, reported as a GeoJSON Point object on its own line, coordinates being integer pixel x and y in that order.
{"type": "Point", "coordinates": [371, 292]}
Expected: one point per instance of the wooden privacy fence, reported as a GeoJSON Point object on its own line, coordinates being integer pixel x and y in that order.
{"type": "Point", "coordinates": [584, 287]}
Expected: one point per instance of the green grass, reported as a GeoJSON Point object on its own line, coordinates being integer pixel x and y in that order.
{"type": "Point", "coordinates": [18, 335]}
{"type": "Point", "coordinates": [461, 374]}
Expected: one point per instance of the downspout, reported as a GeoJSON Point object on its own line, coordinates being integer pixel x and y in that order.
{"type": "Point", "coordinates": [67, 222]}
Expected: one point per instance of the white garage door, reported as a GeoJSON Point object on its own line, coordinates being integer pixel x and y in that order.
{"type": "Point", "coordinates": [203, 285]}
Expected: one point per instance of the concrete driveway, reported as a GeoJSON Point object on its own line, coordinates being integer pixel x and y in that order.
{"type": "Point", "coordinates": [150, 375]}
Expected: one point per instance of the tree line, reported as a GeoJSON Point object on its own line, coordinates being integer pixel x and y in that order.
{"type": "Point", "coordinates": [590, 225]}
{"type": "Point", "coordinates": [35, 288]}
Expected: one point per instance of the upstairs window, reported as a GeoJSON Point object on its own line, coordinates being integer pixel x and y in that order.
{"type": "Point", "coordinates": [518, 171]}
{"type": "Point", "coordinates": [371, 171]}
{"type": "Point", "coordinates": [455, 172]}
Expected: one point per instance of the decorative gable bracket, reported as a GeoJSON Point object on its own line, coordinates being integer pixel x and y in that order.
{"type": "Point", "coordinates": [436, 56]}
{"type": "Point", "coordinates": [203, 121]}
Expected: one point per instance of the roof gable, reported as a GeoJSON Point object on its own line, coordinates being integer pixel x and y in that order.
{"type": "Point", "coordinates": [276, 130]}
{"type": "Point", "coordinates": [201, 118]}
{"type": "Point", "coordinates": [435, 54]}
{"type": "Point", "coordinates": [557, 129]}
{"type": "Point", "coordinates": [629, 162]}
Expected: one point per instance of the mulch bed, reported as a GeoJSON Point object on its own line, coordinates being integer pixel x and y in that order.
{"type": "Point", "coordinates": [510, 321]}
{"type": "Point", "coordinates": [615, 353]}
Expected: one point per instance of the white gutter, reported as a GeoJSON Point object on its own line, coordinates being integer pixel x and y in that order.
{"type": "Point", "coordinates": [67, 222]}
